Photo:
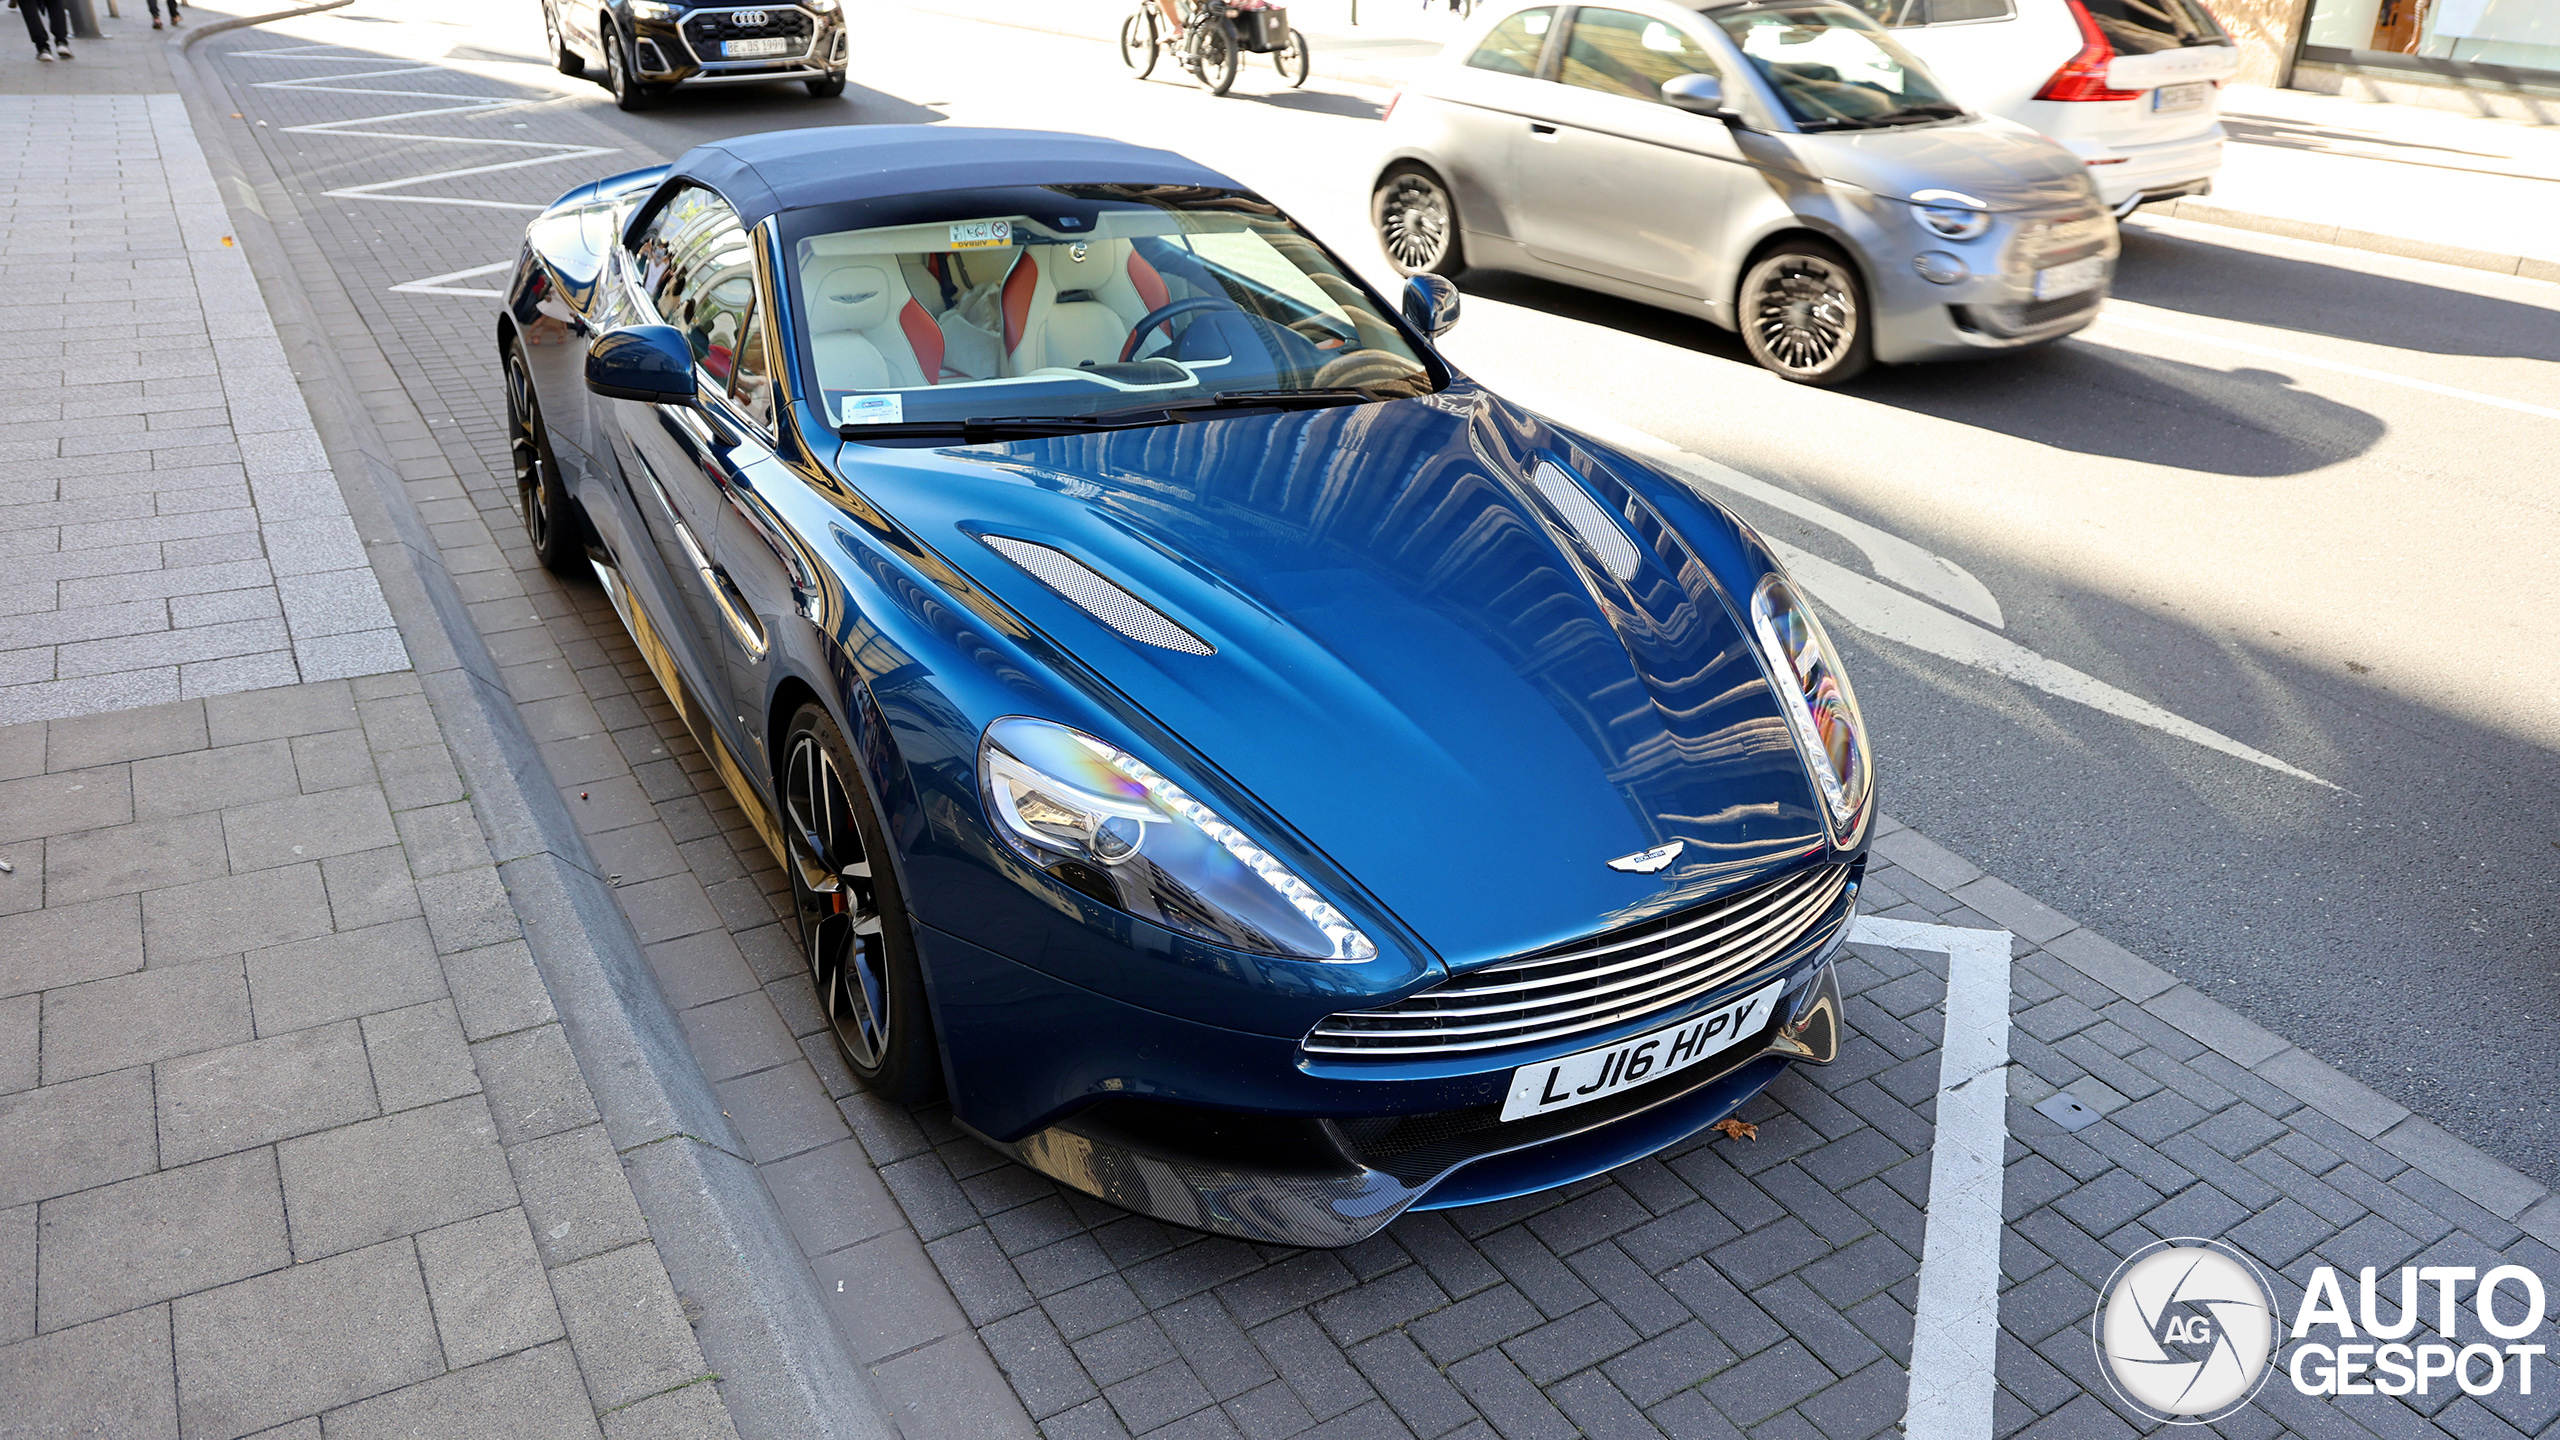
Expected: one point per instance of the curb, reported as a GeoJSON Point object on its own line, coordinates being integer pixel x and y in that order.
{"type": "Point", "coordinates": [2525, 266]}
{"type": "Point", "coordinates": [783, 1370]}
{"type": "Point", "coordinates": [2479, 1177]}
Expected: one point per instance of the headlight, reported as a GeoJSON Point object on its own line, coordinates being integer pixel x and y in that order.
{"type": "Point", "coordinates": [1951, 213]}
{"type": "Point", "coordinates": [652, 10]}
{"type": "Point", "coordinates": [1820, 708]}
{"type": "Point", "coordinates": [819, 7]}
{"type": "Point", "coordinates": [1098, 819]}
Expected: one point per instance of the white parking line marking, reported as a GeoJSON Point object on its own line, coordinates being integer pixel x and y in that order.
{"type": "Point", "coordinates": [1880, 609]}
{"type": "Point", "coordinates": [1955, 1327]}
{"type": "Point", "coordinates": [435, 284]}
{"type": "Point", "coordinates": [2114, 317]}
{"type": "Point", "coordinates": [378, 190]}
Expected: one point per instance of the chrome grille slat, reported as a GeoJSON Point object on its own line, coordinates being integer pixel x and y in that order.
{"type": "Point", "coordinates": [1681, 953]}
{"type": "Point", "coordinates": [1592, 985]}
{"type": "Point", "coordinates": [1715, 965]}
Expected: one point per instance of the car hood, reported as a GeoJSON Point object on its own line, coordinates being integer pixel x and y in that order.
{"type": "Point", "coordinates": [1996, 164]}
{"type": "Point", "coordinates": [1413, 666]}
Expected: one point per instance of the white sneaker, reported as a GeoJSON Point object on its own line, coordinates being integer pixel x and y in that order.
{"type": "Point", "coordinates": [62, 50]}
{"type": "Point", "coordinates": [44, 52]}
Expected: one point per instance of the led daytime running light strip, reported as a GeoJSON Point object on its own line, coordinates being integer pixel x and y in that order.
{"type": "Point", "coordinates": [1800, 717]}
{"type": "Point", "coordinates": [1348, 942]}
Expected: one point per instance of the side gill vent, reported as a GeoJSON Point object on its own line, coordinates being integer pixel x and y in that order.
{"type": "Point", "coordinates": [1607, 538]}
{"type": "Point", "coordinates": [1096, 596]}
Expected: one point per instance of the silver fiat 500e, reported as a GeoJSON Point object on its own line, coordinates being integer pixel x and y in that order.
{"type": "Point", "coordinates": [1785, 169]}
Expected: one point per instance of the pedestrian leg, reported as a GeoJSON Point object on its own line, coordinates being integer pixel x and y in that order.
{"type": "Point", "coordinates": [40, 14]}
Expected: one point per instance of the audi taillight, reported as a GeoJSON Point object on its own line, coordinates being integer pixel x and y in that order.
{"type": "Point", "coordinates": [2084, 76]}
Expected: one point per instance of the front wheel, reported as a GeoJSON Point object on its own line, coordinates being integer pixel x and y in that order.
{"type": "Point", "coordinates": [1803, 314]}
{"type": "Point", "coordinates": [827, 89]}
{"type": "Point", "coordinates": [1214, 55]}
{"type": "Point", "coordinates": [621, 78]}
{"type": "Point", "coordinates": [1417, 223]}
{"type": "Point", "coordinates": [549, 521]}
{"type": "Point", "coordinates": [1138, 46]}
{"type": "Point", "coordinates": [1291, 59]}
{"type": "Point", "coordinates": [853, 920]}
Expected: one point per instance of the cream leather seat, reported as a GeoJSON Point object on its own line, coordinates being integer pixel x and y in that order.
{"type": "Point", "coordinates": [1071, 305]}
{"type": "Point", "coordinates": [866, 330]}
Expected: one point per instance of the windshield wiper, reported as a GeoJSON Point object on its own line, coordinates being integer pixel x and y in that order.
{"type": "Point", "coordinates": [1909, 114]}
{"type": "Point", "coordinates": [1031, 427]}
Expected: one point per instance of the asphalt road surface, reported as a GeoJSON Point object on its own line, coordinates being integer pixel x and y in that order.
{"type": "Point", "coordinates": [2224, 627]}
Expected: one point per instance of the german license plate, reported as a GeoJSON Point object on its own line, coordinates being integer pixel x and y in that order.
{"type": "Point", "coordinates": [2071, 279]}
{"type": "Point", "coordinates": [1598, 1074]}
{"type": "Point", "coordinates": [756, 49]}
{"type": "Point", "coordinates": [2175, 99]}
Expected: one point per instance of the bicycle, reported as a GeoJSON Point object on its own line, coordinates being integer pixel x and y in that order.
{"type": "Point", "coordinates": [1213, 38]}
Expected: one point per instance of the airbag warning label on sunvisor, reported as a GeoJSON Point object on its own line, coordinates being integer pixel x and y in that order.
{"type": "Point", "coordinates": [979, 234]}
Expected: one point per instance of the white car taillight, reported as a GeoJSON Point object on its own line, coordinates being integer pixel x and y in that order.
{"type": "Point", "coordinates": [2084, 76]}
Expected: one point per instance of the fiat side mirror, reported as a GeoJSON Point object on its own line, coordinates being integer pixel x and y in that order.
{"type": "Point", "coordinates": [642, 362]}
{"type": "Point", "coordinates": [1430, 304]}
{"type": "Point", "coordinates": [1697, 94]}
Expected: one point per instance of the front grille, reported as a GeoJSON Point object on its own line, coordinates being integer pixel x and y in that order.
{"type": "Point", "coordinates": [1593, 984]}
{"type": "Point", "coordinates": [2025, 317]}
{"type": "Point", "coordinates": [705, 29]}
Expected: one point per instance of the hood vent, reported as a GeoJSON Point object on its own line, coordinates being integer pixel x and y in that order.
{"type": "Point", "coordinates": [1605, 536]}
{"type": "Point", "coordinates": [1096, 596]}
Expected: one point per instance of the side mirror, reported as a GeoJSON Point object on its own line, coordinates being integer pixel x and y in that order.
{"type": "Point", "coordinates": [1430, 304]}
{"type": "Point", "coordinates": [1697, 94]}
{"type": "Point", "coordinates": [642, 362]}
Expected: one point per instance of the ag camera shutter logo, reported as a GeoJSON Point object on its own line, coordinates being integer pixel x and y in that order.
{"type": "Point", "coordinates": [2186, 1330]}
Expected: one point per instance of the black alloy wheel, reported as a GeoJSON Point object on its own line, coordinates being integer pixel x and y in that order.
{"type": "Point", "coordinates": [1802, 313]}
{"type": "Point", "coordinates": [549, 520]}
{"type": "Point", "coordinates": [621, 77]}
{"type": "Point", "coordinates": [853, 921]}
{"type": "Point", "coordinates": [1417, 223]}
{"type": "Point", "coordinates": [1214, 54]}
{"type": "Point", "coordinates": [1138, 44]}
{"type": "Point", "coordinates": [563, 59]}
{"type": "Point", "coordinates": [826, 89]}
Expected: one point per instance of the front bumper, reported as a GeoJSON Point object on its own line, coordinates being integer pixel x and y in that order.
{"type": "Point", "coordinates": [1993, 308]}
{"type": "Point", "coordinates": [1230, 1133]}
{"type": "Point", "coordinates": [685, 51]}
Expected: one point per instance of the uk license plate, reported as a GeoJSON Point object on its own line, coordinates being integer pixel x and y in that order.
{"type": "Point", "coordinates": [2176, 99]}
{"type": "Point", "coordinates": [1598, 1074]}
{"type": "Point", "coordinates": [756, 49]}
{"type": "Point", "coordinates": [2071, 279]}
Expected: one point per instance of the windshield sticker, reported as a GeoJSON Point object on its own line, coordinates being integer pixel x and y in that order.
{"type": "Point", "coordinates": [979, 234]}
{"type": "Point", "coordinates": [873, 409]}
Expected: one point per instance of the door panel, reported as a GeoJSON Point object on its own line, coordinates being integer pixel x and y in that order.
{"type": "Point", "coordinates": [1614, 181]}
{"type": "Point", "coordinates": [1482, 102]}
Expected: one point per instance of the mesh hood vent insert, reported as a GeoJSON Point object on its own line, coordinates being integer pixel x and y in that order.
{"type": "Point", "coordinates": [1607, 537]}
{"type": "Point", "coordinates": [1088, 590]}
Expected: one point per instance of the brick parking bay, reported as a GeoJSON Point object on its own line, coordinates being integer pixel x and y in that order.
{"type": "Point", "coordinates": [1722, 1288]}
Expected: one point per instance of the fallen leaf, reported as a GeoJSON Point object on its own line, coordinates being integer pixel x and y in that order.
{"type": "Point", "coordinates": [1733, 1129]}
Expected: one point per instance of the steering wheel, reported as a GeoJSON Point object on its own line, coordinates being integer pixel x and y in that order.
{"type": "Point", "coordinates": [1164, 314]}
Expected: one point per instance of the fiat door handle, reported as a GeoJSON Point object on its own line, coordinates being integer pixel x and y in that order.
{"type": "Point", "coordinates": [1543, 132]}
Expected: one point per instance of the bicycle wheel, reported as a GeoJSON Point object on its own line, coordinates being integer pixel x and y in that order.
{"type": "Point", "coordinates": [1138, 47]}
{"type": "Point", "coordinates": [1214, 54]}
{"type": "Point", "coordinates": [1291, 59]}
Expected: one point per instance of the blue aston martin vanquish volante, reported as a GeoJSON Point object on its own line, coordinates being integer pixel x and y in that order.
{"type": "Point", "coordinates": [1267, 780]}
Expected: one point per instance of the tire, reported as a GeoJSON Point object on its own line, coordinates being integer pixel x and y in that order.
{"type": "Point", "coordinates": [563, 59]}
{"type": "Point", "coordinates": [827, 89]}
{"type": "Point", "coordinates": [1214, 55]}
{"type": "Point", "coordinates": [551, 519]}
{"type": "Point", "coordinates": [1417, 222]}
{"type": "Point", "coordinates": [1802, 311]}
{"type": "Point", "coordinates": [1138, 44]}
{"type": "Point", "coordinates": [851, 917]}
{"type": "Point", "coordinates": [1291, 60]}
{"type": "Point", "coordinates": [628, 92]}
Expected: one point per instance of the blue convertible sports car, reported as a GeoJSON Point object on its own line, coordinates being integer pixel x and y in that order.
{"type": "Point", "coordinates": [1265, 779]}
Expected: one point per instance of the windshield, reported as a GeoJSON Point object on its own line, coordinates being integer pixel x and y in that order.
{"type": "Point", "coordinates": [1080, 301]}
{"type": "Point", "coordinates": [1834, 70]}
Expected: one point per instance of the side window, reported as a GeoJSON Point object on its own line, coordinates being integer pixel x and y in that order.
{"type": "Point", "coordinates": [1626, 54]}
{"type": "Point", "coordinates": [695, 265]}
{"type": "Point", "coordinates": [1515, 45]}
{"type": "Point", "coordinates": [751, 378]}
{"type": "Point", "coordinates": [1950, 12]}
{"type": "Point", "coordinates": [1902, 14]}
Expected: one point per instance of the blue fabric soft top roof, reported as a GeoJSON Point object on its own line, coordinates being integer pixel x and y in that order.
{"type": "Point", "coordinates": [789, 169]}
